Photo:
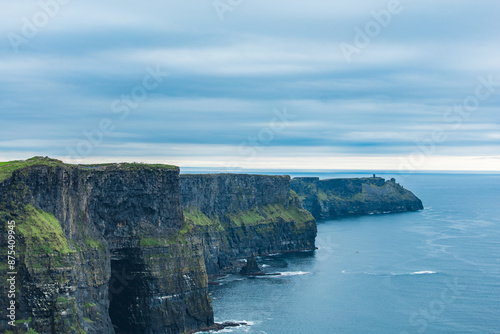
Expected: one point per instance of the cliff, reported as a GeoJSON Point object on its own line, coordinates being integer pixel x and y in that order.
{"type": "Point", "coordinates": [109, 249]}
{"type": "Point", "coordinates": [357, 196]}
{"type": "Point", "coordinates": [101, 248]}
{"type": "Point", "coordinates": [240, 215]}
{"type": "Point", "coordinates": [127, 248]}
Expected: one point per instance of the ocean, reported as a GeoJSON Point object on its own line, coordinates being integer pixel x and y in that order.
{"type": "Point", "coordinates": [433, 271]}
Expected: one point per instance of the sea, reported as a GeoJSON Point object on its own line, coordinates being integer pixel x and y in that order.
{"type": "Point", "coordinates": [432, 271]}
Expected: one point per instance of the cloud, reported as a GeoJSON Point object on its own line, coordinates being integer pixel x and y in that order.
{"type": "Point", "coordinates": [226, 78]}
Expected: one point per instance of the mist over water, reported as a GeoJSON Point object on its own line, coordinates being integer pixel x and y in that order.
{"type": "Point", "coordinates": [432, 271]}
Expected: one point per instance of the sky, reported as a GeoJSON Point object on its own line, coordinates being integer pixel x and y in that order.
{"type": "Point", "coordinates": [376, 85]}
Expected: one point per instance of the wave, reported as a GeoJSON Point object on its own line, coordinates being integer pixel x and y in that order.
{"type": "Point", "coordinates": [421, 272]}
{"type": "Point", "coordinates": [294, 273]}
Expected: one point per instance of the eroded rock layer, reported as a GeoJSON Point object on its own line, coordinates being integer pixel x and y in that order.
{"type": "Point", "coordinates": [239, 215]}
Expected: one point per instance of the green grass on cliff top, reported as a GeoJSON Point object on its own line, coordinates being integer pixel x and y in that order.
{"type": "Point", "coordinates": [8, 167]}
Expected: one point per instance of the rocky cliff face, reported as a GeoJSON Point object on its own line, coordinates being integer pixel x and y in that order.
{"type": "Point", "coordinates": [108, 249]}
{"type": "Point", "coordinates": [102, 248]}
{"type": "Point", "coordinates": [238, 216]}
{"type": "Point", "coordinates": [357, 196]}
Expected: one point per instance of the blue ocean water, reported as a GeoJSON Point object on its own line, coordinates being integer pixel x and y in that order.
{"type": "Point", "coordinates": [433, 271]}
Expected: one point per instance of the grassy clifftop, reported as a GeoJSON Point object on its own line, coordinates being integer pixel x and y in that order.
{"type": "Point", "coordinates": [7, 168]}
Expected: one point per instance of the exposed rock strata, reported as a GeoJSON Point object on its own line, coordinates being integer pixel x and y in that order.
{"type": "Point", "coordinates": [240, 215]}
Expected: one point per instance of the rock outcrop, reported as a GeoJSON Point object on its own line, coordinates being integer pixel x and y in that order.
{"type": "Point", "coordinates": [357, 196]}
{"type": "Point", "coordinates": [251, 268]}
{"type": "Point", "coordinates": [239, 215]}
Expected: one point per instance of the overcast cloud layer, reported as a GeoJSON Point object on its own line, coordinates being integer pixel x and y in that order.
{"type": "Point", "coordinates": [253, 83]}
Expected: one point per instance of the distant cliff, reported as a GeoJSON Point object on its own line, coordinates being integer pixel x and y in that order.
{"type": "Point", "coordinates": [356, 196]}
{"type": "Point", "coordinates": [240, 215]}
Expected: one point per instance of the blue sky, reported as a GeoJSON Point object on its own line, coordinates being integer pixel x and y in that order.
{"type": "Point", "coordinates": [409, 85]}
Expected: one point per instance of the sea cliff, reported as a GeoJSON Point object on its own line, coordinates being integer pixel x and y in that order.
{"type": "Point", "coordinates": [109, 248]}
{"type": "Point", "coordinates": [129, 248]}
{"type": "Point", "coordinates": [356, 196]}
{"type": "Point", "coordinates": [100, 249]}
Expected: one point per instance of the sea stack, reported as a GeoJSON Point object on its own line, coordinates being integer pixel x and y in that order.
{"type": "Point", "coordinates": [251, 268]}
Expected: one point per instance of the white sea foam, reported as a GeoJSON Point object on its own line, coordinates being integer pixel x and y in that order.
{"type": "Point", "coordinates": [423, 272]}
{"type": "Point", "coordinates": [294, 273]}
{"type": "Point", "coordinates": [285, 273]}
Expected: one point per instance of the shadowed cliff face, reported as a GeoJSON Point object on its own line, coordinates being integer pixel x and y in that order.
{"type": "Point", "coordinates": [357, 196]}
{"type": "Point", "coordinates": [218, 194]}
{"type": "Point", "coordinates": [241, 215]}
{"type": "Point", "coordinates": [89, 235]}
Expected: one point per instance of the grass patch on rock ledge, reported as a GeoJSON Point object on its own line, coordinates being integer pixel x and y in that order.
{"type": "Point", "coordinates": [151, 242]}
{"type": "Point", "coordinates": [270, 214]}
{"type": "Point", "coordinates": [179, 238]}
{"type": "Point", "coordinates": [42, 232]}
{"type": "Point", "coordinates": [195, 217]}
